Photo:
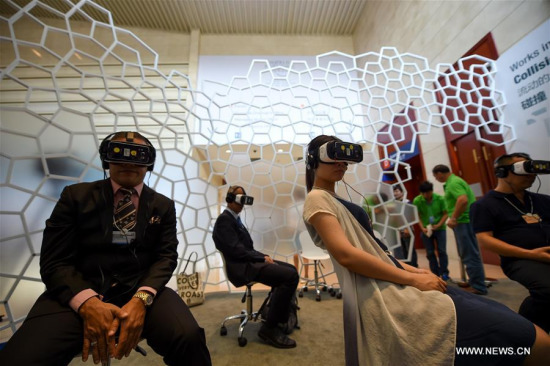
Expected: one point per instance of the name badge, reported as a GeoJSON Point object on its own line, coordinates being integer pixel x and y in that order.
{"type": "Point", "coordinates": [123, 237]}
{"type": "Point", "coordinates": [531, 218]}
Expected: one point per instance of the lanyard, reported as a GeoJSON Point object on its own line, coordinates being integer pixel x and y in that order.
{"type": "Point", "coordinates": [529, 217]}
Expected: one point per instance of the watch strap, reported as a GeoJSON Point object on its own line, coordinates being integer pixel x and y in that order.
{"type": "Point", "coordinates": [144, 296]}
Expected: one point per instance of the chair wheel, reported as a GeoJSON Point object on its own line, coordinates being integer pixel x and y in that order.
{"type": "Point", "coordinates": [223, 331]}
{"type": "Point", "coordinates": [339, 295]}
{"type": "Point", "coordinates": [333, 293]}
{"type": "Point", "coordinates": [242, 341]}
{"type": "Point", "coordinates": [305, 289]}
{"type": "Point", "coordinates": [318, 298]}
{"type": "Point", "coordinates": [325, 288]}
{"type": "Point", "coordinates": [300, 293]}
{"type": "Point", "coordinates": [331, 290]}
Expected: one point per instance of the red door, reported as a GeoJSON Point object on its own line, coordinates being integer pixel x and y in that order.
{"type": "Point", "coordinates": [472, 159]}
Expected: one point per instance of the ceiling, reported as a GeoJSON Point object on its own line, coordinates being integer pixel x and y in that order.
{"type": "Point", "coordinates": [284, 17]}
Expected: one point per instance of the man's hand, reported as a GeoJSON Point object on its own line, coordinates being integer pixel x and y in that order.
{"type": "Point", "coordinates": [130, 328]}
{"type": "Point", "coordinates": [268, 259]}
{"type": "Point", "coordinates": [100, 325]}
{"type": "Point", "coordinates": [541, 254]}
{"type": "Point", "coordinates": [452, 222]}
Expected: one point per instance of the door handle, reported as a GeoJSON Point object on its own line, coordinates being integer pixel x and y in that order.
{"type": "Point", "coordinates": [485, 155]}
{"type": "Point", "coordinates": [474, 153]}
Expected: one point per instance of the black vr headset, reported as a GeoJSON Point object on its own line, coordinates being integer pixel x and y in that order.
{"type": "Point", "coordinates": [525, 167]}
{"type": "Point", "coordinates": [241, 199]}
{"type": "Point", "coordinates": [127, 151]}
{"type": "Point", "coordinates": [334, 152]}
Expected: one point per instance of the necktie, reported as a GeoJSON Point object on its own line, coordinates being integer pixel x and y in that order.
{"type": "Point", "coordinates": [125, 211]}
{"type": "Point", "coordinates": [239, 221]}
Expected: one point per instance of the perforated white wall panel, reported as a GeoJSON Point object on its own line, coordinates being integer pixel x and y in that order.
{"type": "Point", "coordinates": [65, 85]}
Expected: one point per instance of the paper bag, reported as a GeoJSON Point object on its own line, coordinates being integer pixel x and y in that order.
{"type": "Point", "coordinates": [190, 285]}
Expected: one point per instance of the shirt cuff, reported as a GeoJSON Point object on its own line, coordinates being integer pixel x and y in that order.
{"type": "Point", "coordinates": [148, 289]}
{"type": "Point", "coordinates": [76, 302]}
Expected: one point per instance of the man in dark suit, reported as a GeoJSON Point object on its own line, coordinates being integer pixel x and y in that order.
{"type": "Point", "coordinates": [244, 264]}
{"type": "Point", "coordinates": [108, 250]}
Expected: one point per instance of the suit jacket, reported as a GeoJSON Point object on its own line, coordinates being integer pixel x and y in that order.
{"type": "Point", "coordinates": [77, 250]}
{"type": "Point", "coordinates": [242, 261]}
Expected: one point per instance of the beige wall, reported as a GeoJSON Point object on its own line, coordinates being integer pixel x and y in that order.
{"type": "Point", "coordinates": [274, 45]}
{"type": "Point", "coordinates": [443, 31]}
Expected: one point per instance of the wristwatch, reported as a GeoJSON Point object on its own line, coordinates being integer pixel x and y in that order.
{"type": "Point", "coordinates": [144, 296]}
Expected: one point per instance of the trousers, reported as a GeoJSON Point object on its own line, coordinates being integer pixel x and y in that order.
{"type": "Point", "coordinates": [535, 276]}
{"type": "Point", "coordinates": [283, 278]}
{"type": "Point", "coordinates": [54, 338]}
{"type": "Point", "coordinates": [468, 251]}
{"type": "Point", "coordinates": [438, 264]}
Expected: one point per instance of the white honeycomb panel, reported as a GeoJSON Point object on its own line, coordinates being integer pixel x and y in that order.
{"type": "Point", "coordinates": [68, 79]}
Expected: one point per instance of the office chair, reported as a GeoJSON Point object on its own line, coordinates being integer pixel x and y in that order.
{"type": "Point", "coordinates": [245, 315]}
{"type": "Point", "coordinates": [315, 255]}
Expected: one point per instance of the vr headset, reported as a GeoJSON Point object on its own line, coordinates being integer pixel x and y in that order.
{"type": "Point", "coordinates": [334, 152]}
{"type": "Point", "coordinates": [241, 199]}
{"type": "Point", "coordinates": [530, 167]}
{"type": "Point", "coordinates": [128, 152]}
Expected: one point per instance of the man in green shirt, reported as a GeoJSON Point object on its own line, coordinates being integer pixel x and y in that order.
{"type": "Point", "coordinates": [458, 198]}
{"type": "Point", "coordinates": [433, 214]}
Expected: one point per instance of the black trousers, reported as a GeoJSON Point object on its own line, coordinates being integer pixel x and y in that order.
{"type": "Point", "coordinates": [283, 278]}
{"type": "Point", "coordinates": [54, 338]}
{"type": "Point", "coordinates": [535, 276]}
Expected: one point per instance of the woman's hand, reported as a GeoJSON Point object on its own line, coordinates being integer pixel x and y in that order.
{"type": "Point", "coordinates": [428, 282]}
{"type": "Point", "coordinates": [541, 254]}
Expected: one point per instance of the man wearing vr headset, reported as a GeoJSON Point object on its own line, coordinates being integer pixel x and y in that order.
{"type": "Point", "coordinates": [515, 223]}
{"type": "Point", "coordinates": [108, 250]}
{"type": "Point", "coordinates": [244, 264]}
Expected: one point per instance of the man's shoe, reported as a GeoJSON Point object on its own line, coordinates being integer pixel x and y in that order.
{"type": "Point", "coordinates": [445, 277]}
{"type": "Point", "coordinates": [474, 291]}
{"type": "Point", "coordinates": [275, 337]}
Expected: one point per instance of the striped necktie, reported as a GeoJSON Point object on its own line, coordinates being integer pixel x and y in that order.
{"type": "Point", "coordinates": [125, 211]}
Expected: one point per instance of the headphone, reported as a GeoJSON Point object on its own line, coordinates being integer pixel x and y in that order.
{"type": "Point", "coordinates": [129, 135]}
{"type": "Point", "coordinates": [312, 159]}
{"type": "Point", "coordinates": [501, 171]}
{"type": "Point", "coordinates": [231, 196]}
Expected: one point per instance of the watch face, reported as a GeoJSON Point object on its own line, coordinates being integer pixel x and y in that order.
{"type": "Point", "coordinates": [145, 297]}
{"type": "Point", "coordinates": [148, 299]}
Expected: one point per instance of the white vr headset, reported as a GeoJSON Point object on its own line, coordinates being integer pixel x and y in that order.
{"type": "Point", "coordinates": [335, 152]}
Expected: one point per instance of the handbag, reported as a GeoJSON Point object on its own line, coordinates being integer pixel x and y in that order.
{"type": "Point", "coordinates": [190, 285]}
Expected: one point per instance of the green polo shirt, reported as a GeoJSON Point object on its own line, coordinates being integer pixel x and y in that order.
{"type": "Point", "coordinates": [455, 187]}
{"type": "Point", "coordinates": [434, 210]}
